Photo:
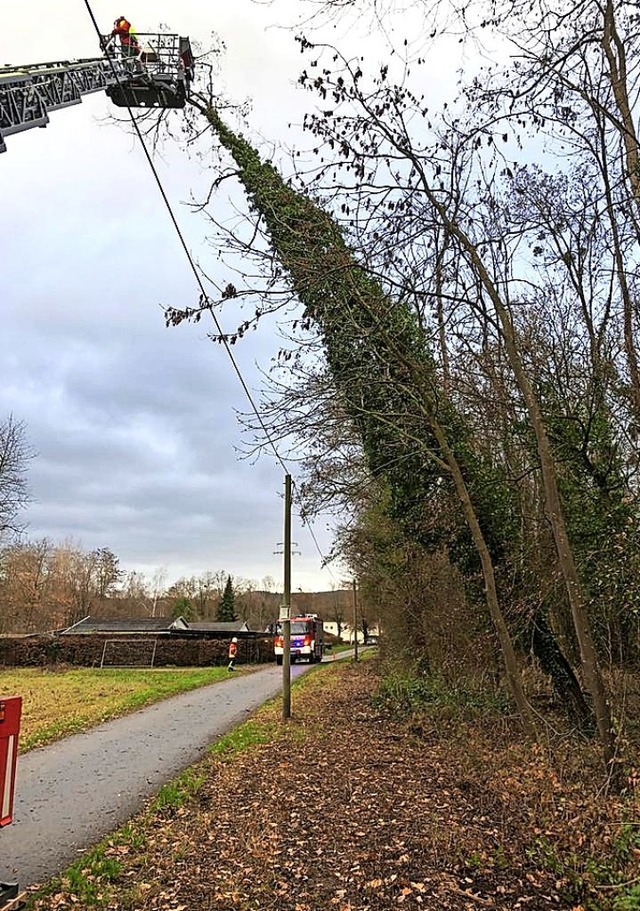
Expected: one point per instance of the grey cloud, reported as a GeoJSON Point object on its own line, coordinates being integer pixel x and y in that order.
{"type": "Point", "coordinates": [134, 424]}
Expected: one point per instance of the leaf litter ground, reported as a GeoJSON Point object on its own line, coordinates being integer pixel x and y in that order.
{"type": "Point", "coordinates": [350, 809]}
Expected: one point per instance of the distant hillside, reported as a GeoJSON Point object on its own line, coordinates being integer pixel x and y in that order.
{"type": "Point", "coordinates": [325, 604]}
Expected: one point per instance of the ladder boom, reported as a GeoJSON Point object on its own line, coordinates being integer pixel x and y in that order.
{"type": "Point", "coordinates": [29, 93]}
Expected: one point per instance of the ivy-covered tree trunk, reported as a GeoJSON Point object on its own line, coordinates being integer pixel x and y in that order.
{"type": "Point", "coordinates": [377, 357]}
{"type": "Point", "coordinates": [553, 662]}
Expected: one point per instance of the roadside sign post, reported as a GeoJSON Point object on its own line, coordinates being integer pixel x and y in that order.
{"type": "Point", "coordinates": [10, 711]}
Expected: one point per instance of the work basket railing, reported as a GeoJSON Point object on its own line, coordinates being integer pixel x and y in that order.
{"type": "Point", "coordinates": [158, 54]}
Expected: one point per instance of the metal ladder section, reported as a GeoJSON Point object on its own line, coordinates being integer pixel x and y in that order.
{"type": "Point", "coordinates": [158, 76]}
{"type": "Point", "coordinates": [29, 93]}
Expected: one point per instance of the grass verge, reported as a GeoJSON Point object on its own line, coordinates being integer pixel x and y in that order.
{"type": "Point", "coordinates": [336, 649]}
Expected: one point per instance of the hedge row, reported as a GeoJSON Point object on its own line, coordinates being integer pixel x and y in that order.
{"type": "Point", "coordinates": [141, 650]}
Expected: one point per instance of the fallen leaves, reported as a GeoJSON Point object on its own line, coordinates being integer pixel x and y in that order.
{"type": "Point", "coordinates": [344, 812]}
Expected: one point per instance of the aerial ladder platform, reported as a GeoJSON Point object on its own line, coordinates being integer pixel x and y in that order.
{"type": "Point", "coordinates": [159, 76]}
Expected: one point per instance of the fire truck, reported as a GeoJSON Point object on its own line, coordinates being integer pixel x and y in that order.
{"type": "Point", "coordinates": [307, 639]}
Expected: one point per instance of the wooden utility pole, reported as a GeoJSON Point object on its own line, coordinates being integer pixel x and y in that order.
{"type": "Point", "coordinates": [286, 611]}
{"type": "Point", "coordinates": [355, 622]}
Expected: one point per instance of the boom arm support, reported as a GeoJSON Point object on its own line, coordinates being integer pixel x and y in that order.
{"type": "Point", "coordinates": [29, 93]}
{"type": "Point", "coordinates": [158, 76]}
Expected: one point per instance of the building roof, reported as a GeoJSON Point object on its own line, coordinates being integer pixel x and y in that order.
{"type": "Point", "coordinates": [127, 625]}
{"type": "Point", "coordinates": [208, 626]}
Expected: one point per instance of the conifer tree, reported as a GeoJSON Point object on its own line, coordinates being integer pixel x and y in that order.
{"type": "Point", "coordinates": [226, 606]}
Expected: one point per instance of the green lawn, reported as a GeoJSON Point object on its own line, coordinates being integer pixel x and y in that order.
{"type": "Point", "coordinates": [343, 647]}
{"type": "Point", "coordinates": [57, 703]}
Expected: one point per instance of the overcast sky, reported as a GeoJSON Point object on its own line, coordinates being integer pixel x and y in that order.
{"type": "Point", "coordinates": [134, 424]}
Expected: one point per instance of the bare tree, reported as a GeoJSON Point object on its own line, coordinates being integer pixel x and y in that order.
{"type": "Point", "coordinates": [15, 454]}
{"type": "Point", "coordinates": [30, 599]}
{"type": "Point", "coordinates": [158, 586]}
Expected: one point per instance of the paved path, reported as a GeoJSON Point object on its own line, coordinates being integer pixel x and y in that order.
{"type": "Point", "coordinates": [72, 793]}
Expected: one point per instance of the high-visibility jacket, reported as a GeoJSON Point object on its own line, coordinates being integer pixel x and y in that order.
{"type": "Point", "coordinates": [125, 31]}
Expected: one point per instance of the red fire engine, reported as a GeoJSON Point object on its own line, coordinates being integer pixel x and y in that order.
{"type": "Point", "coordinates": [307, 639]}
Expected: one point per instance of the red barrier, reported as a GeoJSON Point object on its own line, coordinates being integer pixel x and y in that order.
{"type": "Point", "coordinates": [10, 711]}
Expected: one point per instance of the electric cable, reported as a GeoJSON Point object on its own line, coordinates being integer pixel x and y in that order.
{"type": "Point", "coordinates": [183, 243]}
{"type": "Point", "coordinates": [198, 278]}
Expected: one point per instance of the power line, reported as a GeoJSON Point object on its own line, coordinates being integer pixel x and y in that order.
{"type": "Point", "coordinates": [183, 243]}
{"type": "Point", "coordinates": [315, 541]}
{"type": "Point", "coordinates": [192, 265]}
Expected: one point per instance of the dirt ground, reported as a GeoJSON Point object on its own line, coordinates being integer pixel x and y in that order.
{"type": "Point", "coordinates": [350, 809]}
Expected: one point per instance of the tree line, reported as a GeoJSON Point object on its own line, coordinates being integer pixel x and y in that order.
{"type": "Point", "coordinates": [46, 586]}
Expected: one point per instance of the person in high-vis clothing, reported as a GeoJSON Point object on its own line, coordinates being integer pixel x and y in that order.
{"type": "Point", "coordinates": [233, 651]}
{"type": "Point", "coordinates": [123, 30]}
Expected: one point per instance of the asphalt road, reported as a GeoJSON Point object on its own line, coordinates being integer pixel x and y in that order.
{"type": "Point", "coordinates": [72, 793]}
